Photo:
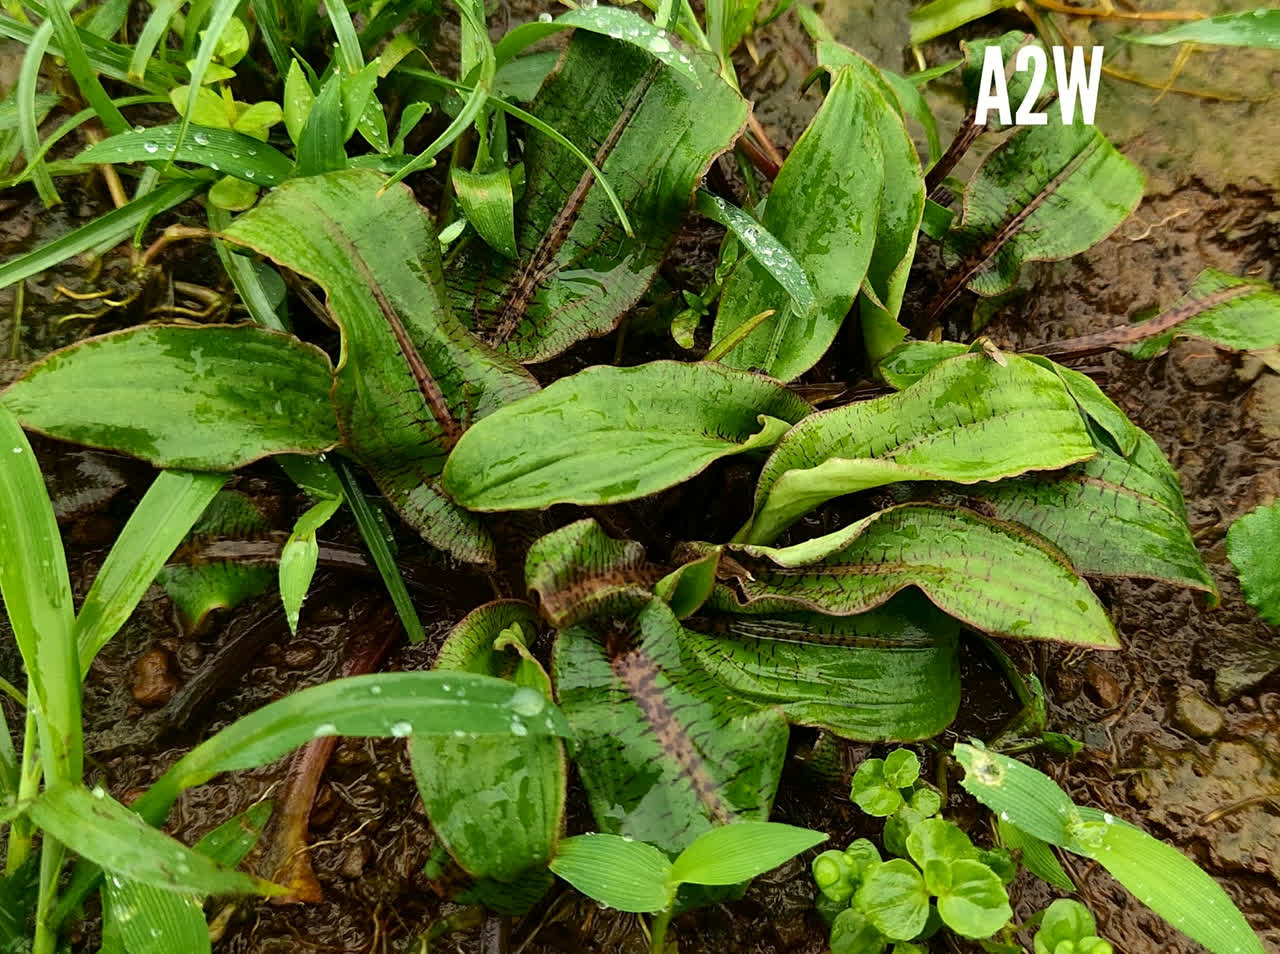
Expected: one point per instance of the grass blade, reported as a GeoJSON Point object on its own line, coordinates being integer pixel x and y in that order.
{"type": "Point", "coordinates": [219, 17]}
{"type": "Point", "coordinates": [167, 511]}
{"type": "Point", "coordinates": [28, 125]}
{"type": "Point", "coordinates": [82, 70]}
{"type": "Point", "coordinates": [221, 150]}
{"type": "Point", "coordinates": [766, 249]}
{"type": "Point", "coordinates": [108, 230]}
{"type": "Point", "coordinates": [243, 275]}
{"type": "Point", "coordinates": [108, 58]}
{"type": "Point", "coordinates": [153, 32]}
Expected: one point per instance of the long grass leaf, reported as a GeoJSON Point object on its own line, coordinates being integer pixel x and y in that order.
{"type": "Point", "coordinates": [107, 230]}
{"type": "Point", "coordinates": [153, 32]}
{"type": "Point", "coordinates": [108, 58]}
{"type": "Point", "coordinates": [170, 508]}
{"type": "Point", "coordinates": [348, 41]}
{"type": "Point", "coordinates": [219, 17]}
{"type": "Point", "coordinates": [222, 150]}
{"type": "Point", "coordinates": [268, 20]}
{"type": "Point", "coordinates": [69, 126]}
{"type": "Point", "coordinates": [28, 125]}
{"type": "Point", "coordinates": [243, 275]}
{"type": "Point", "coordinates": [82, 70]}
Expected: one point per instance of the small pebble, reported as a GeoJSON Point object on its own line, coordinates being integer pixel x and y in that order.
{"type": "Point", "coordinates": [1102, 688]}
{"type": "Point", "coordinates": [1195, 715]}
{"type": "Point", "coordinates": [155, 679]}
{"type": "Point", "coordinates": [354, 860]}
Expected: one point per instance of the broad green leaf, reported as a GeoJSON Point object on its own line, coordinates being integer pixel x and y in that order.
{"type": "Point", "coordinates": [1045, 194]}
{"type": "Point", "coordinates": [299, 556]}
{"type": "Point", "coordinates": [386, 705]}
{"type": "Point", "coordinates": [613, 22]}
{"type": "Point", "coordinates": [902, 768]}
{"type": "Point", "coordinates": [623, 873]}
{"type": "Point", "coordinates": [994, 576]}
{"type": "Point", "coordinates": [900, 211]}
{"type": "Point", "coordinates": [974, 902]}
{"type": "Point", "coordinates": [1259, 28]}
{"type": "Point", "coordinates": [937, 17]}
{"type": "Point", "coordinates": [221, 150]}
{"type": "Point", "coordinates": [170, 507]}
{"type": "Point", "coordinates": [233, 195]}
{"type": "Point", "coordinates": [579, 571]}
{"type": "Point", "coordinates": [1036, 856]}
{"type": "Point", "coordinates": [910, 361]}
{"type": "Point", "coordinates": [1137, 498]}
{"type": "Point", "coordinates": [609, 434]}
{"type": "Point", "coordinates": [653, 133]}
{"type": "Point", "coordinates": [665, 751]}
{"type": "Point", "coordinates": [970, 419]}
{"type": "Point", "coordinates": [1235, 314]}
{"type": "Point", "coordinates": [152, 920]}
{"type": "Point", "coordinates": [37, 601]}
{"type": "Point", "coordinates": [892, 897]}
{"type": "Point", "coordinates": [215, 397]}
{"type": "Point", "coordinates": [690, 585]}
{"type": "Point", "coordinates": [486, 199]}
{"type": "Point", "coordinates": [256, 122]}
{"type": "Point", "coordinates": [889, 674]}
{"type": "Point", "coordinates": [1252, 544]}
{"type": "Point", "coordinates": [828, 221]}
{"type": "Point", "coordinates": [410, 375]}
{"type": "Point", "coordinates": [731, 854]}
{"type": "Point", "coordinates": [936, 839]}
{"type": "Point", "coordinates": [852, 933]}
{"type": "Point", "coordinates": [771, 254]}
{"type": "Point", "coordinates": [1018, 83]}
{"type": "Point", "coordinates": [496, 803]}
{"type": "Point", "coordinates": [97, 827]}
{"type": "Point", "coordinates": [202, 586]}
{"type": "Point", "coordinates": [1021, 796]}
{"type": "Point", "coordinates": [320, 144]}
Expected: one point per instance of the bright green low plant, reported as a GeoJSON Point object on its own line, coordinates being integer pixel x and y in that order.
{"type": "Point", "coordinates": [632, 876]}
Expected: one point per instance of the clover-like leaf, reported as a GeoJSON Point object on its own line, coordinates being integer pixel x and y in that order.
{"type": "Point", "coordinates": [872, 792]}
{"type": "Point", "coordinates": [893, 898]}
{"type": "Point", "coordinates": [853, 933]}
{"type": "Point", "coordinates": [937, 838]}
{"type": "Point", "coordinates": [974, 902]}
{"type": "Point", "coordinates": [1064, 920]}
{"type": "Point", "coordinates": [901, 768]}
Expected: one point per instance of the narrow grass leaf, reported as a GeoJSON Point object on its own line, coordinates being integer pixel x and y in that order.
{"type": "Point", "coordinates": [221, 150]}
{"type": "Point", "coordinates": [220, 15]}
{"type": "Point", "coordinates": [107, 229]}
{"type": "Point", "coordinates": [771, 253]}
{"type": "Point", "coordinates": [108, 58]}
{"type": "Point", "coordinates": [1259, 28]}
{"type": "Point", "coordinates": [152, 920]}
{"type": "Point", "coordinates": [153, 33]}
{"type": "Point", "coordinates": [1036, 856]}
{"type": "Point", "coordinates": [171, 506]}
{"type": "Point", "coordinates": [82, 70]}
{"type": "Point", "coordinates": [624, 874]}
{"type": "Point", "coordinates": [28, 123]}
{"type": "Point", "coordinates": [97, 827]}
{"type": "Point", "coordinates": [731, 854]}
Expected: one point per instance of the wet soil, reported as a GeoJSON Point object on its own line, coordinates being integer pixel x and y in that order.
{"type": "Point", "coordinates": [1182, 728]}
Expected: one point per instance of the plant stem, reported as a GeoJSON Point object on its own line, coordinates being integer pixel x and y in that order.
{"type": "Point", "coordinates": [46, 933]}
{"type": "Point", "coordinates": [732, 339]}
{"type": "Point", "coordinates": [29, 781]}
{"type": "Point", "coordinates": [658, 932]}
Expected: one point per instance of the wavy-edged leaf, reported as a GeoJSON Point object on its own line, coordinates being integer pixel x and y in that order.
{"type": "Point", "coordinates": [653, 133]}
{"type": "Point", "coordinates": [96, 826]}
{"type": "Point", "coordinates": [1252, 546]}
{"type": "Point", "coordinates": [221, 150]}
{"type": "Point", "coordinates": [580, 571]}
{"type": "Point", "coordinates": [410, 376]}
{"type": "Point", "coordinates": [496, 803]}
{"type": "Point", "coordinates": [665, 751]}
{"type": "Point", "coordinates": [1259, 28]}
{"type": "Point", "coordinates": [1112, 516]}
{"type": "Point", "coordinates": [621, 872]}
{"type": "Point", "coordinates": [215, 397]}
{"type": "Point", "coordinates": [609, 434]}
{"type": "Point", "coordinates": [889, 674]}
{"type": "Point", "coordinates": [732, 854]}
{"type": "Point", "coordinates": [901, 208]}
{"type": "Point", "coordinates": [386, 705]}
{"type": "Point", "coordinates": [1045, 194]}
{"type": "Point", "coordinates": [827, 219]}
{"type": "Point", "coordinates": [1017, 82]}
{"type": "Point", "coordinates": [1235, 314]}
{"type": "Point", "coordinates": [969, 419]}
{"type": "Point", "coordinates": [995, 576]}
{"type": "Point", "coordinates": [170, 507]}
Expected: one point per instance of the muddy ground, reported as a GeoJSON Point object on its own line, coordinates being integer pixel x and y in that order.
{"type": "Point", "coordinates": [1182, 728]}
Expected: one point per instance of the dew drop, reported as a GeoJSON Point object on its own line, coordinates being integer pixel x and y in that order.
{"type": "Point", "coordinates": [201, 139]}
{"type": "Point", "coordinates": [99, 792]}
{"type": "Point", "coordinates": [249, 173]}
{"type": "Point", "coordinates": [326, 729]}
{"type": "Point", "coordinates": [518, 728]}
{"type": "Point", "coordinates": [17, 450]}
{"type": "Point", "coordinates": [374, 690]}
{"type": "Point", "coordinates": [400, 730]}
{"type": "Point", "coordinates": [544, 18]}
{"type": "Point", "coordinates": [528, 702]}
{"type": "Point", "coordinates": [1107, 817]}
{"type": "Point", "coordinates": [150, 147]}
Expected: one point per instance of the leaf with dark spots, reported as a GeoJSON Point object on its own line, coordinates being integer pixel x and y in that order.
{"type": "Point", "coordinates": [653, 133]}
{"type": "Point", "coordinates": [579, 571]}
{"type": "Point", "coordinates": [995, 576]}
{"type": "Point", "coordinates": [827, 218]}
{"type": "Point", "coordinates": [1236, 314]}
{"type": "Point", "coordinates": [605, 435]}
{"type": "Point", "coordinates": [194, 398]}
{"type": "Point", "coordinates": [664, 749]}
{"type": "Point", "coordinates": [1112, 516]}
{"type": "Point", "coordinates": [496, 803]}
{"type": "Point", "coordinates": [969, 419]}
{"type": "Point", "coordinates": [1045, 194]}
{"type": "Point", "coordinates": [891, 673]}
{"type": "Point", "coordinates": [411, 377]}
